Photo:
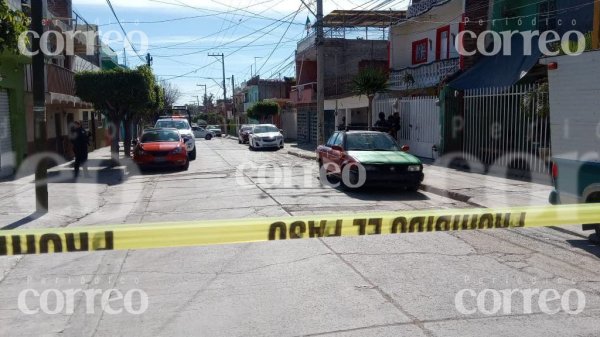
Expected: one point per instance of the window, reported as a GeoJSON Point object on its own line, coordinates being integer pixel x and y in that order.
{"type": "Point", "coordinates": [547, 16]}
{"type": "Point", "coordinates": [339, 140]}
{"type": "Point", "coordinates": [442, 50]}
{"type": "Point", "coordinates": [331, 140]}
{"type": "Point", "coordinates": [419, 51]}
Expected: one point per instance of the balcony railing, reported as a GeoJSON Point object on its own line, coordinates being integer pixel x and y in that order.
{"type": "Point", "coordinates": [340, 85]}
{"type": "Point", "coordinates": [60, 80]}
{"type": "Point", "coordinates": [346, 33]}
{"type": "Point", "coordinates": [304, 93]}
{"type": "Point", "coordinates": [423, 6]}
{"type": "Point", "coordinates": [424, 76]}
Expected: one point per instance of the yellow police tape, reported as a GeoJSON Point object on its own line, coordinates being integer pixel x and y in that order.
{"type": "Point", "coordinates": [196, 233]}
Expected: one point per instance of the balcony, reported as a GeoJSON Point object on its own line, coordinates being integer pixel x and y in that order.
{"type": "Point", "coordinates": [304, 93]}
{"type": "Point", "coordinates": [344, 33]}
{"type": "Point", "coordinates": [425, 76]}
{"type": "Point", "coordinates": [60, 80]}
{"type": "Point", "coordinates": [423, 6]}
{"type": "Point", "coordinates": [339, 86]}
{"type": "Point", "coordinates": [60, 85]}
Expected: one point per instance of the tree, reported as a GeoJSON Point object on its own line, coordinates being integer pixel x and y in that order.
{"type": "Point", "coordinates": [263, 109]}
{"type": "Point", "coordinates": [12, 24]}
{"type": "Point", "coordinates": [368, 82]}
{"type": "Point", "coordinates": [171, 93]}
{"type": "Point", "coordinates": [208, 103]}
{"type": "Point", "coordinates": [122, 95]}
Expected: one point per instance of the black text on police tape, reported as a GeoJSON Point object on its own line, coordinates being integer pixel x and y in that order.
{"type": "Point", "coordinates": [299, 229]}
{"type": "Point", "coordinates": [56, 243]}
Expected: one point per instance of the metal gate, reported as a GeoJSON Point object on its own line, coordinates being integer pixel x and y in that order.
{"type": "Point", "coordinates": [5, 136]}
{"type": "Point", "coordinates": [508, 127]}
{"type": "Point", "coordinates": [420, 125]}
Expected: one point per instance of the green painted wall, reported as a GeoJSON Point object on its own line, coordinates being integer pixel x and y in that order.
{"type": "Point", "coordinates": [514, 15]}
{"type": "Point", "coordinates": [11, 69]}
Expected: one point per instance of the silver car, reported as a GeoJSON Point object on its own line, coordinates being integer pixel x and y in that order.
{"type": "Point", "coordinates": [266, 136]}
{"type": "Point", "coordinates": [200, 132]}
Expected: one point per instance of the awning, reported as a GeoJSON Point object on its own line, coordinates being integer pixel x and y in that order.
{"type": "Point", "coordinates": [500, 70]}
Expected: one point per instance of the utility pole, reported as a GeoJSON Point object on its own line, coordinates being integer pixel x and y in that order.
{"type": "Point", "coordinates": [223, 64]}
{"type": "Point", "coordinates": [320, 75]}
{"type": "Point", "coordinates": [233, 95]}
{"type": "Point", "coordinates": [39, 108]}
{"type": "Point", "coordinates": [124, 57]}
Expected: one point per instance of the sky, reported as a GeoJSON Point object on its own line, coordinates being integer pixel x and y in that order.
{"type": "Point", "coordinates": [181, 34]}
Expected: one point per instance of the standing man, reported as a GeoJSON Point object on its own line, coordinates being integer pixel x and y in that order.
{"type": "Point", "coordinates": [396, 124]}
{"type": "Point", "coordinates": [80, 140]}
{"type": "Point", "coordinates": [382, 124]}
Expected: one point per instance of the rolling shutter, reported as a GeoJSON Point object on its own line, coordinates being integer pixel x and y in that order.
{"type": "Point", "coordinates": [5, 135]}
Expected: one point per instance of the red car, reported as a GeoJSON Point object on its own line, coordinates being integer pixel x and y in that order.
{"type": "Point", "coordinates": [370, 158]}
{"type": "Point", "coordinates": [161, 148]}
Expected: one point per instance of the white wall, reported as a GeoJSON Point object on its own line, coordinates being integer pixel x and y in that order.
{"type": "Point", "coordinates": [347, 103]}
{"type": "Point", "coordinates": [575, 105]}
{"type": "Point", "coordinates": [403, 35]}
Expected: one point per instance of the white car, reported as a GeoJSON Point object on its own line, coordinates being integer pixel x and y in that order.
{"type": "Point", "coordinates": [185, 130]}
{"type": "Point", "coordinates": [200, 132]}
{"type": "Point", "coordinates": [265, 136]}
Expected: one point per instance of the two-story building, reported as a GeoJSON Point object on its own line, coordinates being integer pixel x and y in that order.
{"type": "Point", "coordinates": [12, 106]}
{"type": "Point", "coordinates": [62, 105]}
{"type": "Point", "coordinates": [257, 90]}
{"type": "Point", "coordinates": [353, 40]}
{"type": "Point", "coordinates": [422, 48]}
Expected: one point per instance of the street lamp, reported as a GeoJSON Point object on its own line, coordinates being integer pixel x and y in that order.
{"type": "Point", "coordinates": [203, 85]}
{"type": "Point", "coordinates": [256, 69]}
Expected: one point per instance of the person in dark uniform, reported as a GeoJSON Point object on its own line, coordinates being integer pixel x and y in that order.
{"type": "Point", "coordinates": [80, 140]}
{"type": "Point", "coordinates": [382, 124]}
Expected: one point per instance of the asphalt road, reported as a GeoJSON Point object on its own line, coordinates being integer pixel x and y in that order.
{"type": "Point", "coordinates": [441, 284]}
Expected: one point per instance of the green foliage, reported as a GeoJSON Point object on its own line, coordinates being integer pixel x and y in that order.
{"type": "Point", "coordinates": [370, 81]}
{"type": "Point", "coordinates": [209, 118]}
{"type": "Point", "coordinates": [121, 92]}
{"type": "Point", "coordinates": [536, 103]}
{"type": "Point", "coordinates": [12, 24]}
{"type": "Point", "coordinates": [263, 109]}
{"type": "Point", "coordinates": [572, 45]}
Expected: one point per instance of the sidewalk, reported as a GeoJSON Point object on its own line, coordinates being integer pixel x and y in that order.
{"type": "Point", "coordinates": [69, 200]}
{"type": "Point", "coordinates": [476, 189]}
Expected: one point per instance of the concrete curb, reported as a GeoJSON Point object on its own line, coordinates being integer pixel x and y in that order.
{"type": "Point", "coordinates": [302, 155]}
{"type": "Point", "coordinates": [427, 188]}
{"type": "Point", "coordinates": [451, 195]}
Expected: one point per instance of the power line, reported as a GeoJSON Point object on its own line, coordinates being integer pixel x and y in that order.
{"type": "Point", "coordinates": [275, 48]}
{"type": "Point", "coordinates": [124, 32]}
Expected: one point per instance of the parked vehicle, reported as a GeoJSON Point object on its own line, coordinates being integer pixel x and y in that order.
{"type": "Point", "coordinates": [184, 128]}
{"type": "Point", "coordinates": [244, 133]}
{"type": "Point", "coordinates": [385, 163]}
{"type": "Point", "coordinates": [200, 132]}
{"type": "Point", "coordinates": [574, 107]}
{"type": "Point", "coordinates": [265, 136]}
{"type": "Point", "coordinates": [161, 148]}
{"type": "Point", "coordinates": [216, 129]}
